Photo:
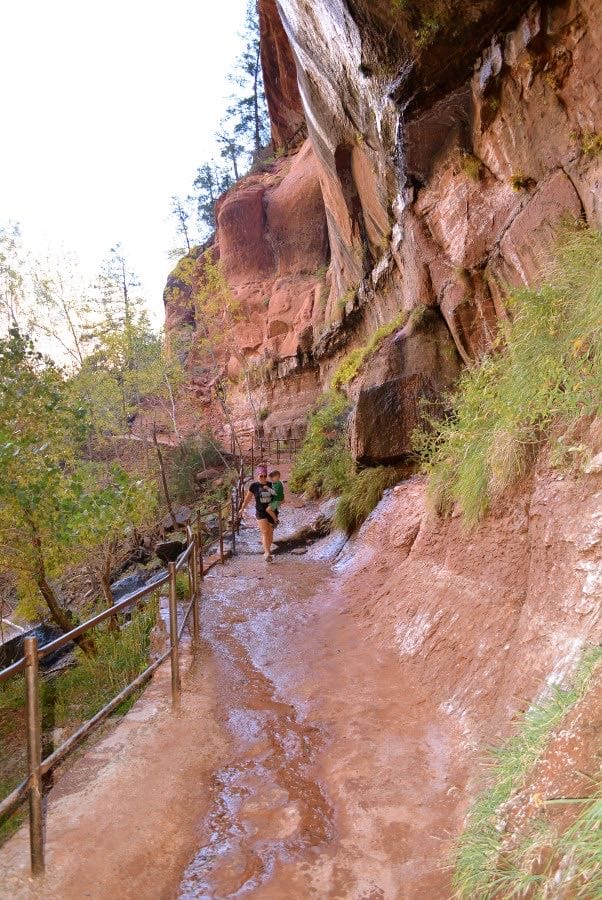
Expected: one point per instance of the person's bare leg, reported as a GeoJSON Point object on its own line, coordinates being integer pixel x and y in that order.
{"type": "Point", "coordinates": [267, 532]}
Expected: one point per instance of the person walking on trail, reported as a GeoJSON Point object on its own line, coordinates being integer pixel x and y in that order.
{"type": "Point", "coordinates": [262, 492]}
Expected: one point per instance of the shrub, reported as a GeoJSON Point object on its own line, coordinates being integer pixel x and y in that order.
{"type": "Point", "coordinates": [520, 182]}
{"type": "Point", "coordinates": [549, 370]}
{"type": "Point", "coordinates": [361, 494]}
{"type": "Point", "coordinates": [323, 465]}
{"type": "Point", "coordinates": [471, 165]}
{"type": "Point", "coordinates": [591, 143]}
{"type": "Point", "coordinates": [486, 866]}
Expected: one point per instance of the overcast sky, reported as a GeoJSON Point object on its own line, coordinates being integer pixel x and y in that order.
{"type": "Point", "coordinates": [107, 110]}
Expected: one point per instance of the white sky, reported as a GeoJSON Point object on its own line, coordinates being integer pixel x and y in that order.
{"type": "Point", "coordinates": [107, 110]}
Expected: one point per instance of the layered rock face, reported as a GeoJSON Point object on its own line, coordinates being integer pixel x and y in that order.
{"type": "Point", "coordinates": [445, 145]}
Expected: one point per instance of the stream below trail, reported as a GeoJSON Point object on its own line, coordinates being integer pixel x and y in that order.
{"type": "Point", "coordinates": [340, 784]}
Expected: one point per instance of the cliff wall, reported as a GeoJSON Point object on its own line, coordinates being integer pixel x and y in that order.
{"type": "Point", "coordinates": [425, 155]}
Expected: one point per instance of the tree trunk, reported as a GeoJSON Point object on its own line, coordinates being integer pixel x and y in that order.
{"type": "Point", "coordinates": [164, 479]}
{"type": "Point", "coordinates": [256, 102]}
{"type": "Point", "coordinates": [61, 616]}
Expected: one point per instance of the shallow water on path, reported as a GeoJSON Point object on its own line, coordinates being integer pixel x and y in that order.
{"type": "Point", "coordinates": [340, 785]}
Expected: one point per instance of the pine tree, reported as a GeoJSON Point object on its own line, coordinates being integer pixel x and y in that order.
{"type": "Point", "coordinates": [181, 214]}
{"type": "Point", "coordinates": [244, 130]}
{"type": "Point", "coordinates": [248, 107]}
{"type": "Point", "coordinates": [211, 181]}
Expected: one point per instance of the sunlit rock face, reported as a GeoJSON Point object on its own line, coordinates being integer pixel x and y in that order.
{"type": "Point", "coordinates": [446, 142]}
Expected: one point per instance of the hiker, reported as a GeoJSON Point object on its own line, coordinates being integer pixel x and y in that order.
{"type": "Point", "coordinates": [262, 492]}
{"type": "Point", "coordinates": [277, 496]}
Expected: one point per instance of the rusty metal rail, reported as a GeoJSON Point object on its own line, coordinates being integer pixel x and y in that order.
{"type": "Point", "coordinates": [31, 788]}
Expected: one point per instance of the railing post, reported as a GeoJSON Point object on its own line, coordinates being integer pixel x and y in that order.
{"type": "Point", "coordinates": [220, 525]}
{"type": "Point", "coordinates": [173, 635]}
{"type": "Point", "coordinates": [277, 450]}
{"type": "Point", "coordinates": [233, 518]}
{"type": "Point", "coordinates": [34, 754]}
{"type": "Point", "coordinates": [196, 592]}
{"type": "Point", "coordinates": [199, 544]}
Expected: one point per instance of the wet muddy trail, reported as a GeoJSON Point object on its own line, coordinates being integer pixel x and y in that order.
{"type": "Point", "coordinates": [340, 784]}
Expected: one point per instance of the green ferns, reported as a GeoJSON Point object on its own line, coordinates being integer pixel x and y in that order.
{"type": "Point", "coordinates": [550, 371]}
{"type": "Point", "coordinates": [486, 868]}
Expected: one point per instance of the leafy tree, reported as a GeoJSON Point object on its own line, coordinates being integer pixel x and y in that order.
{"type": "Point", "coordinates": [106, 507]}
{"type": "Point", "coordinates": [58, 311]}
{"type": "Point", "coordinates": [55, 510]}
{"type": "Point", "coordinates": [39, 434]}
{"type": "Point", "coordinates": [127, 365]}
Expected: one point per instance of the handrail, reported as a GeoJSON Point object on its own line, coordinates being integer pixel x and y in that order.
{"type": "Point", "coordinates": [192, 559]}
{"type": "Point", "coordinates": [31, 787]}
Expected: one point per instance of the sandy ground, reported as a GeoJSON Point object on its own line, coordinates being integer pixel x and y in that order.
{"type": "Point", "coordinates": [298, 766]}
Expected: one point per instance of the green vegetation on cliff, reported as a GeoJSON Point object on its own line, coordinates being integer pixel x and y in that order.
{"type": "Point", "coordinates": [323, 466]}
{"type": "Point", "coordinates": [550, 858]}
{"type": "Point", "coordinates": [547, 372]}
{"type": "Point", "coordinates": [352, 364]}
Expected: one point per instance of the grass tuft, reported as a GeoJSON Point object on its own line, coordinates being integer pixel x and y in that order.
{"type": "Point", "coordinates": [550, 370]}
{"type": "Point", "coordinates": [520, 182]}
{"type": "Point", "coordinates": [351, 365]}
{"type": "Point", "coordinates": [323, 465]}
{"type": "Point", "coordinates": [486, 867]}
{"type": "Point", "coordinates": [361, 494]}
{"type": "Point", "coordinates": [471, 165]}
{"type": "Point", "coordinates": [591, 143]}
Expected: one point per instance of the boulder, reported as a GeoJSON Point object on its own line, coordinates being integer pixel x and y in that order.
{"type": "Point", "coordinates": [403, 382]}
{"type": "Point", "coordinates": [207, 474]}
{"type": "Point", "coordinates": [182, 515]}
{"type": "Point", "coordinates": [168, 551]}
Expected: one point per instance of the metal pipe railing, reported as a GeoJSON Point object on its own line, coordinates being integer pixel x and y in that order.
{"type": "Point", "coordinates": [31, 787]}
{"type": "Point", "coordinates": [192, 558]}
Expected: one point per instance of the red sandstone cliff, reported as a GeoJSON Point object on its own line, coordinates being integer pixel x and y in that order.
{"type": "Point", "coordinates": [445, 144]}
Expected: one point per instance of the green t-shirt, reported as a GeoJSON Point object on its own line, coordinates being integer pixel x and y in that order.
{"type": "Point", "coordinates": [278, 489]}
